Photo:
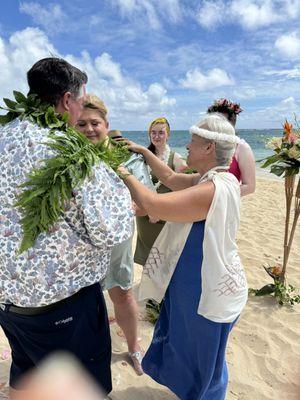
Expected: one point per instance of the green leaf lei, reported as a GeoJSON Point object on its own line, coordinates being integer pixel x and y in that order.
{"type": "Point", "coordinates": [49, 187]}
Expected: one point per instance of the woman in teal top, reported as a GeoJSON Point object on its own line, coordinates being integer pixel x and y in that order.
{"type": "Point", "coordinates": [148, 228]}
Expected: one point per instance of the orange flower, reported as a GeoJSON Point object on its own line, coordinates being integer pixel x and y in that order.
{"type": "Point", "coordinates": [276, 271]}
{"type": "Point", "coordinates": [288, 135]}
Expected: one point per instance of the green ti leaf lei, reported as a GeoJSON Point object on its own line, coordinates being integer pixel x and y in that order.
{"type": "Point", "coordinates": [49, 187]}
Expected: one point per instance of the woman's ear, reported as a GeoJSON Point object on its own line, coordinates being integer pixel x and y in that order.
{"type": "Point", "coordinates": [211, 147]}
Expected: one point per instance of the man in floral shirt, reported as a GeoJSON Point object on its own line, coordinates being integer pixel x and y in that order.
{"type": "Point", "coordinates": [50, 297]}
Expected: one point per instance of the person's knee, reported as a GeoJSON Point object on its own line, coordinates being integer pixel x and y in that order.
{"type": "Point", "coordinates": [122, 297]}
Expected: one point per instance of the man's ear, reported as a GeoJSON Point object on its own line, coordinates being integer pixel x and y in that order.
{"type": "Point", "coordinates": [63, 104]}
{"type": "Point", "coordinates": [65, 101]}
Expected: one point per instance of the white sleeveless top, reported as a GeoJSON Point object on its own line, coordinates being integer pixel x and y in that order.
{"type": "Point", "coordinates": [224, 285]}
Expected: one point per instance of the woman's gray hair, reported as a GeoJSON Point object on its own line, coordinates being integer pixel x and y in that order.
{"type": "Point", "coordinates": [217, 122]}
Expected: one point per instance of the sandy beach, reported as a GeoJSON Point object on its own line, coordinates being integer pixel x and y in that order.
{"type": "Point", "coordinates": [264, 347]}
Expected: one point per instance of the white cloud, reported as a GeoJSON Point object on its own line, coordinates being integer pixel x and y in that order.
{"type": "Point", "coordinates": [51, 18]}
{"type": "Point", "coordinates": [254, 14]}
{"type": "Point", "coordinates": [107, 68]}
{"type": "Point", "coordinates": [196, 80]}
{"type": "Point", "coordinates": [211, 14]}
{"type": "Point", "coordinates": [245, 93]}
{"type": "Point", "coordinates": [269, 116]}
{"type": "Point", "coordinates": [152, 9]}
{"type": "Point", "coordinates": [250, 14]}
{"type": "Point", "coordinates": [172, 9]}
{"type": "Point", "coordinates": [289, 45]}
{"type": "Point", "coordinates": [288, 73]}
{"type": "Point", "coordinates": [17, 55]}
{"type": "Point", "coordinates": [285, 109]}
{"type": "Point", "coordinates": [157, 93]}
{"type": "Point", "coordinates": [126, 6]}
{"type": "Point", "coordinates": [124, 96]}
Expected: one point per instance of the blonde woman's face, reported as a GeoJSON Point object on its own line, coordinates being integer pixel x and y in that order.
{"type": "Point", "coordinates": [159, 134]}
{"type": "Point", "coordinates": [94, 127]}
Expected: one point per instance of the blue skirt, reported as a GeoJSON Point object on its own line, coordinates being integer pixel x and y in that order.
{"type": "Point", "coordinates": [187, 352]}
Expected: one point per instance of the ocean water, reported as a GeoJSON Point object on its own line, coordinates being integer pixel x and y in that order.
{"type": "Point", "coordinates": [256, 138]}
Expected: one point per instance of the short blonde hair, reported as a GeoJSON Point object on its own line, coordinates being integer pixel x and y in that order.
{"type": "Point", "coordinates": [95, 103]}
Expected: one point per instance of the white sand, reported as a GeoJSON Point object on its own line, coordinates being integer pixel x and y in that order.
{"type": "Point", "coordinates": [264, 348]}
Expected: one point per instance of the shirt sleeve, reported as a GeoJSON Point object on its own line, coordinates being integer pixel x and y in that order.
{"type": "Point", "coordinates": [106, 207]}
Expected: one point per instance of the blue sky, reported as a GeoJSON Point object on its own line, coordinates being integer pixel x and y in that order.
{"type": "Point", "coordinates": [150, 58]}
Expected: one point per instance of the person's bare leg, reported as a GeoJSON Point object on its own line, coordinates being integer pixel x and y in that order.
{"type": "Point", "coordinates": [126, 313]}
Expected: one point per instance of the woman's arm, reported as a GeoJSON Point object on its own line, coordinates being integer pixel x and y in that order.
{"type": "Point", "coordinates": [163, 172]}
{"type": "Point", "coordinates": [138, 211]}
{"type": "Point", "coordinates": [188, 205]}
{"type": "Point", "coordinates": [246, 163]}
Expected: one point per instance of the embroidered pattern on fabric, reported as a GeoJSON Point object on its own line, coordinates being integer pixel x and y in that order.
{"type": "Point", "coordinates": [154, 261]}
{"type": "Point", "coordinates": [233, 281]}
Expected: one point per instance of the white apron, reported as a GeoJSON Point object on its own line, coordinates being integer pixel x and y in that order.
{"type": "Point", "coordinates": [224, 285]}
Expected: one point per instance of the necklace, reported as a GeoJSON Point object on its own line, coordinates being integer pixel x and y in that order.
{"type": "Point", "coordinates": [164, 156]}
{"type": "Point", "coordinates": [49, 187]}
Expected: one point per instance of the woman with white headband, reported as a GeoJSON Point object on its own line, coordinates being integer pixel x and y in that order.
{"type": "Point", "coordinates": [194, 263]}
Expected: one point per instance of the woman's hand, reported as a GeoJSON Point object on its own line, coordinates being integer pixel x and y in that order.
{"type": "Point", "coordinates": [132, 146]}
{"type": "Point", "coordinates": [123, 172]}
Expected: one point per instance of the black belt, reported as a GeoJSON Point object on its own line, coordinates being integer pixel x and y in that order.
{"type": "Point", "coordinates": [43, 309]}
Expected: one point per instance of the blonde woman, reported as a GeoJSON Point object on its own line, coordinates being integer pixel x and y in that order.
{"type": "Point", "coordinates": [93, 123]}
{"type": "Point", "coordinates": [148, 227]}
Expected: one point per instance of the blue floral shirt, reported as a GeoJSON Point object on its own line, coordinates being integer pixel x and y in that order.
{"type": "Point", "coordinates": [76, 252]}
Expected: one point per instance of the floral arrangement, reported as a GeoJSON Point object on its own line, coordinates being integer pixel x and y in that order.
{"type": "Point", "coordinates": [225, 106]}
{"type": "Point", "coordinates": [285, 162]}
{"type": "Point", "coordinates": [286, 159]}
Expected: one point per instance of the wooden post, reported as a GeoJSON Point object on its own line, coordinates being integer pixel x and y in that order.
{"type": "Point", "coordinates": [289, 190]}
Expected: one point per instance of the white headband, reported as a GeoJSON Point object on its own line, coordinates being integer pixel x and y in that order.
{"type": "Point", "coordinates": [223, 137]}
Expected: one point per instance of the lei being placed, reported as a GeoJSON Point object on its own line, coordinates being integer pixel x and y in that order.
{"type": "Point", "coordinates": [49, 187]}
